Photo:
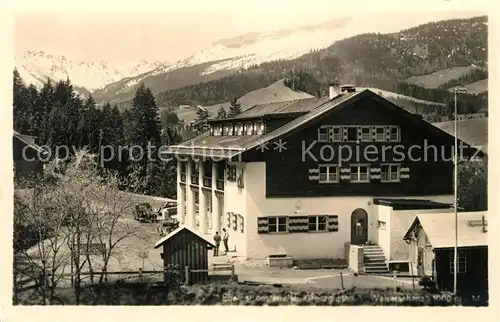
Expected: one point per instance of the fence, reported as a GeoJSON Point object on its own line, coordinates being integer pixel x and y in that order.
{"type": "Point", "coordinates": [40, 279]}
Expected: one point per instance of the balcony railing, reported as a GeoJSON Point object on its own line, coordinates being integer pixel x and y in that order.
{"type": "Point", "coordinates": [195, 179]}
{"type": "Point", "coordinates": [207, 182]}
{"type": "Point", "coordinates": [183, 177]}
{"type": "Point", "coordinates": [219, 184]}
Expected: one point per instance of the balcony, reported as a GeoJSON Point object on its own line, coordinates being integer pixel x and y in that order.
{"type": "Point", "coordinates": [207, 182]}
{"type": "Point", "coordinates": [195, 179]}
{"type": "Point", "coordinates": [183, 177]}
{"type": "Point", "coordinates": [219, 184]}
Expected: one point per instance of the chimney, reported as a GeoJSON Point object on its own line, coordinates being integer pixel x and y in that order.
{"type": "Point", "coordinates": [334, 90]}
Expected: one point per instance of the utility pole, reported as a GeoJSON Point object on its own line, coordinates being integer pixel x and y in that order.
{"type": "Point", "coordinates": [455, 189]}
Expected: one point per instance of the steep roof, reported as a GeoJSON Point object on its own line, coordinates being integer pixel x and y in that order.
{"type": "Point", "coordinates": [178, 230]}
{"type": "Point", "coordinates": [230, 146]}
{"type": "Point", "coordinates": [27, 139]}
{"type": "Point", "coordinates": [440, 229]}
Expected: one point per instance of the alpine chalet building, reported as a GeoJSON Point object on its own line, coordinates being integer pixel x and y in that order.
{"type": "Point", "coordinates": [306, 177]}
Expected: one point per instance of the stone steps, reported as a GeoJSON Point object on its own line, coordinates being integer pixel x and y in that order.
{"type": "Point", "coordinates": [374, 260]}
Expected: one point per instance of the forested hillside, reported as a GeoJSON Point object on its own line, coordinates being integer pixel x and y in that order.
{"type": "Point", "coordinates": [64, 123]}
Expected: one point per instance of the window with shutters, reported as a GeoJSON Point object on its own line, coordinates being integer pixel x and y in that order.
{"type": "Point", "coordinates": [317, 223]}
{"type": "Point", "coordinates": [360, 173]}
{"type": "Point", "coordinates": [278, 224]}
{"type": "Point", "coordinates": [328, 173]}
{"type": "Point", "coordinates": [390, 173]}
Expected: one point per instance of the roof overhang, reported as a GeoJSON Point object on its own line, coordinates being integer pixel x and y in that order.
{"type": "Point", "coordinates": [178, 230]}
{"type": "Point", "coordinates": [410, 204]}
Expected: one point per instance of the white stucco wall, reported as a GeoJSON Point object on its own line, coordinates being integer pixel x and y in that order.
{"type": "Point", "coordinates": [235, 201]}
{"type": "Point", "coordinates": [397, 223]}
{"type": "Point", "coordinates": [312, 245]}
{"type": "Point", "coordinates": [299, 245]}
{"type": "Point", "coordinates": [384, 234]}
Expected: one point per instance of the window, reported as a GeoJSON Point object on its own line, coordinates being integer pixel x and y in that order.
{"type": "Point", "coordinates": [317, 223]}
{"type": "Point", "coordinates": [231, 173]}
{"type": "Point", "coordinates": [381, 224]}
{"type": "Point", "coordinates": [323, 134]}
{"type": "Point", "coordinates": [390, 173]}
{"type": "Point", "coordinates": [336, 134]}
{"type": "Point", "coordinates": [379, 134]}
{"type": "Point", "coordinates": [228, 129]}
{"type": "Point", "coordinates": [352, 134]}
{"type": "Point", "coordinates": [461, 261]}
{"type": "Point", "coordinates": [249, 129]}
{"type": "Point", "coordinates": [260, 129]}
{"type": "Point", "coordinates": [239, 129]}
{"type": "Point", "coordinates": [242, 226]}
{"type": "Point", "coordinates": [328, 173]}
{"type": "Point", "coordinates": [365, 134]}
{"type": "Point", "coordinates": [393, 134]}
{"type": "Point", "coordinates": [360, 173]}
{"type": "Point", "coordinates": [217, 130]}
{"type": "Point", "coordinates": [278, 224]}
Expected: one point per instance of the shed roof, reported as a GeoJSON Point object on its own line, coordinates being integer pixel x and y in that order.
{"type": "Point", "coordinates": [440, 229]}
{"type": "Point", "coordinates": [410, 204]}
{"type": "Point", "coordinates": [178, 230]}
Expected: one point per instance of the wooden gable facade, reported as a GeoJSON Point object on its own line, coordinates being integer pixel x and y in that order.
{"type": "Point", "coordinates": [184, 248]}
{"type": "Point", "coordinates": [369, 135]}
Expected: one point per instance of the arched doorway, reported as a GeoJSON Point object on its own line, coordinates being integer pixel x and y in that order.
{"type": "Point", "coordinates": [359, 227]}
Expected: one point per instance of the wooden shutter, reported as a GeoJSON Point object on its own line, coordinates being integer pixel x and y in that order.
{"type": "Point", "coordinates": [404, 173]}
{"type": "Point", "coordinates": [314, 174]}
{"type": "Point", "coordinates": [298, 224]}
{"type": "Point", "coordinates": [235, 221]}
{"type": "Point", "coordinates": [242, 227]}
{"type": "Point", "coordinates": [375, 173]}
{"type": "Point", "coordinates": [228, 218]}
{"type": "Point", "coordinates": [263, 225]}
{"type": "Point", "coordinates": [333, 223]}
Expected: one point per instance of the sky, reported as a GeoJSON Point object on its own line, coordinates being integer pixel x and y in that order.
{"type": "Point", "coordinates": [88, 30]}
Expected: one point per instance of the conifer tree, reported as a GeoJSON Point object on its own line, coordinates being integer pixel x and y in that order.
{"type": "Point", "coordinates": [201, 120]}
{"type": "Point", "coordinates": [234, 108]}
{"type": "Point", "coordinates": [221, 113]}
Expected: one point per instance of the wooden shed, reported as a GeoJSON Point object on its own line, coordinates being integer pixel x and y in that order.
{"type": "Point", "coordinates": [431, 238]}
{"type": "Point", "coordinates": [183, 248]}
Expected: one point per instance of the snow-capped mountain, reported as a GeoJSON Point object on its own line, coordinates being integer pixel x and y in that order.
{"type": "Point", "coordinates": [35, 67]}
{"type": "Point", "coordinates": [227, 55]}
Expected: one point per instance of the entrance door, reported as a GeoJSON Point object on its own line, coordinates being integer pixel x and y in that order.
{"type": "Point", "coordinates": [359, 227]}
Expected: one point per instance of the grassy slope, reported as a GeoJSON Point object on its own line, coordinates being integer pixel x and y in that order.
{"type": "Point", "coordinates": [477, 87]}
{"type": "Point", "coordinates": [472, 131]}
{"type": "Point", "coordinates": [276, 92]}
{"type": "Point", "coordinates": [440, 77]}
